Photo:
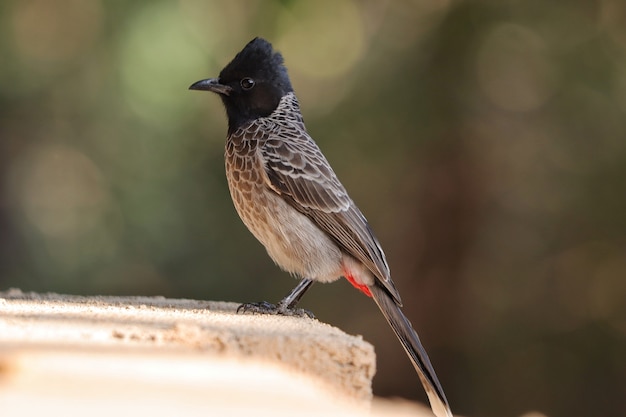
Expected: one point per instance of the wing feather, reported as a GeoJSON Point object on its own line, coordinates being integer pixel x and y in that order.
{"type": "Point", "coordinates": [297, 169]}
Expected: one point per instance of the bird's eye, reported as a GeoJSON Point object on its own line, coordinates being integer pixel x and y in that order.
{"type": "Point", "coordinates": [247, 83]}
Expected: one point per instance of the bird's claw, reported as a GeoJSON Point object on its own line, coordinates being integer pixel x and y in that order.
{"type": "Point", "coordinates": [263, 307]}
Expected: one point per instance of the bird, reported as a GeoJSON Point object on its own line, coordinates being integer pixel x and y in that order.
{"type": "Point", "coordinates": [291, 200]}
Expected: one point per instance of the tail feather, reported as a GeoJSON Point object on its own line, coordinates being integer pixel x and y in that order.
{"type": "Point", "coordinates": [411, 343]}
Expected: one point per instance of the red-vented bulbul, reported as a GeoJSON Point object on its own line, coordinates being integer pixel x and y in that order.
{"type": "Point", "coordinates": [287, 194]}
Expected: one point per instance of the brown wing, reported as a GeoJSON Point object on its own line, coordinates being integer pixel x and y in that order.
{"type": "Point", "coordinates": [297, 169]}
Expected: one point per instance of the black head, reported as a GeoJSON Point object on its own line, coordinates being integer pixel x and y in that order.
{"type": "Point", "coordinates": [251, 85]}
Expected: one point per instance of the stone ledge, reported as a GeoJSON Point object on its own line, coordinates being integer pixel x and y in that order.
{"type": "Point", "coordinates": [93, 355]}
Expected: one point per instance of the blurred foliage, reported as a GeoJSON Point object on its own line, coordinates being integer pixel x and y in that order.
{"type": "Point", "coordinates": [484, 140]}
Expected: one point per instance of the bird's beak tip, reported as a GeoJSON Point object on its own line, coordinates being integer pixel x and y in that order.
{"type": "Point", "coordinates": [197, 85]}
{"type": "Point", "coordinates": [211, 84]}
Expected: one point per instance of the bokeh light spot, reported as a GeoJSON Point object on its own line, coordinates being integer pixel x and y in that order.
{"type": "Point", "coordinates": [159, 61]}
{"type": "Point", "coordinates": [60, 190]}
{"type": "Point", "coordinates": [211, 22]}
{"type": "Point", "coordinates": [54, 31]}
{"type": "Point", "coordinates": [608, 290]}
{"type": "Point", "coordinates": [513, 68]}
{"type": "Point", "coordinates": [321, 39]}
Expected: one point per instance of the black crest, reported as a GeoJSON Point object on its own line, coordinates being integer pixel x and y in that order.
{"type": "Point", "coordinates": [260, 60]}
{"type": "Point", "coordinates": [258, 79]}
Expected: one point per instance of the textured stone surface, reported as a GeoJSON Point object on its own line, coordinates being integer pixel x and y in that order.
{"type": "Point", "coordinates": [99, 355]}
{"type": "Point", "coordinates": [344, 362]}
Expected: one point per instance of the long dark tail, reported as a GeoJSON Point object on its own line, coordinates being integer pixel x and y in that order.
{"type": "Point", "coordinates": [411, 343]}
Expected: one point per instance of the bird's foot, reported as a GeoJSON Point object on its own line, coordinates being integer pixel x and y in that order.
{"type": "Point", "coordinates": [263, 307]}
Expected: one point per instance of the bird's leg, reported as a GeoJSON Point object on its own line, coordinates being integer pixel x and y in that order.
{"type": "Point", "coordinates": [296, 294]}
{"type": "Point", "coordinates": [285, 307]}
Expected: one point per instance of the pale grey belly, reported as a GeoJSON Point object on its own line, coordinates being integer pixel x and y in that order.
{"type": "Point", "coordinates": [291, 239]}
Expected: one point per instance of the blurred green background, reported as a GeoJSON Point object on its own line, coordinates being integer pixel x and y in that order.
{"type": "Point", "coordinates": [484, 140]}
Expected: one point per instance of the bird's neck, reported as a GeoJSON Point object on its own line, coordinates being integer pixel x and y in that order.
{"type": "Point", "coordinates": [287, 112]}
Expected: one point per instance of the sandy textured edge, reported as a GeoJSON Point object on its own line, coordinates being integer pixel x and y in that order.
{"type": "Point", "coordinates": [169, 356]}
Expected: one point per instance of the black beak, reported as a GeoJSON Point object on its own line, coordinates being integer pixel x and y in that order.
{"type": "Point", "coordinates": [211, 84]}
